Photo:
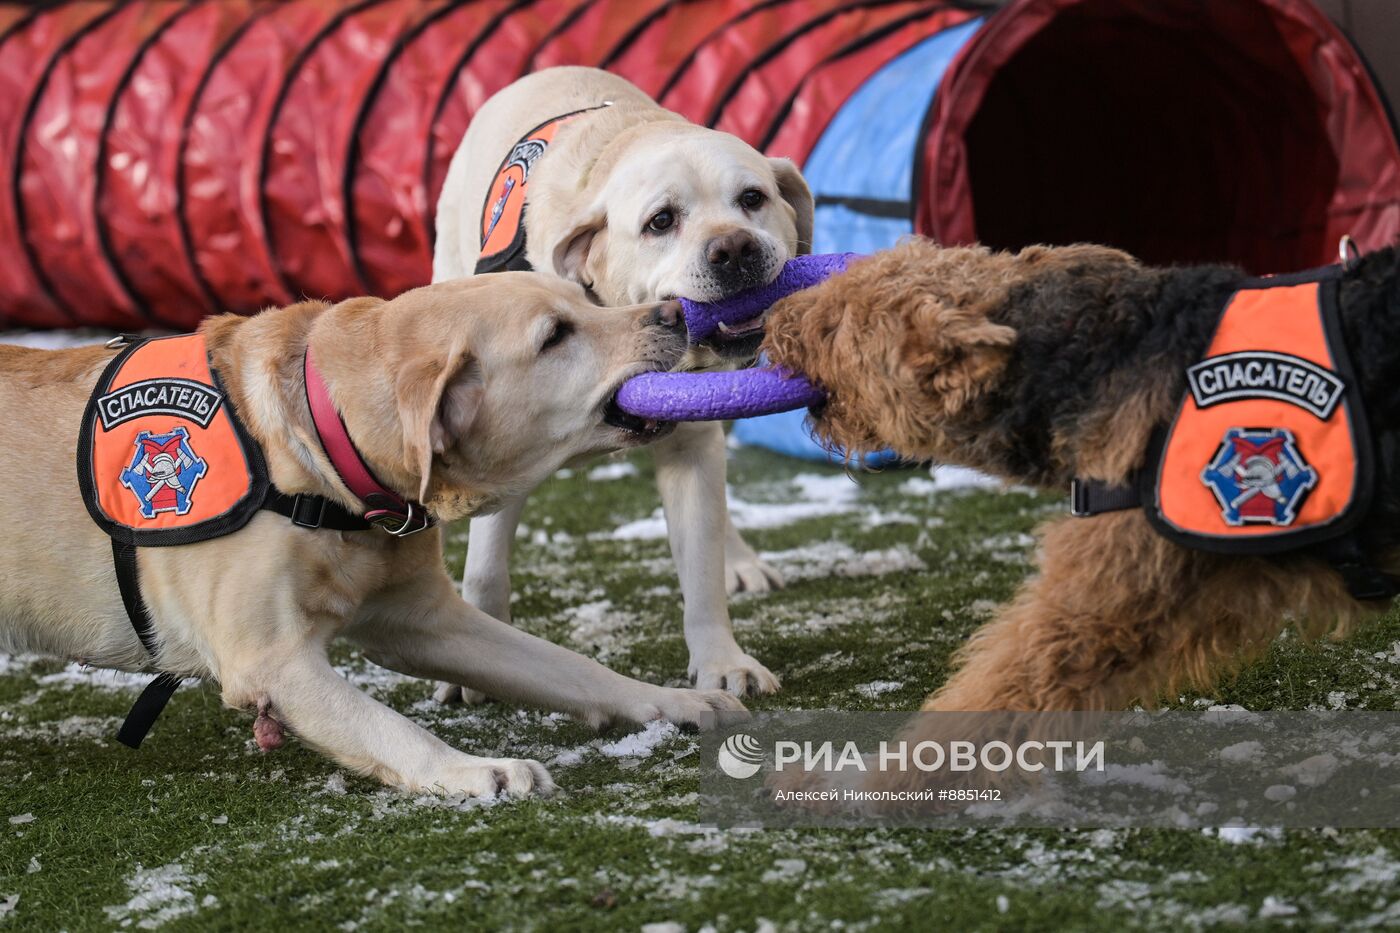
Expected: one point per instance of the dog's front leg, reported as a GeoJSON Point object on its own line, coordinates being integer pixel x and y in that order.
{"type": "Point", "coordinates": [358, 732]}
{"type": "Point", "coordinates": [486, 579]}
{"type": "Point", "coordinates": [423, 628]}
{"type": "Point", "coordinates": [690, 468]}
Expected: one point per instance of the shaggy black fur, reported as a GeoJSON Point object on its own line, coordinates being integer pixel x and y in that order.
{"type": "Point", "coordinates": [1077, 327]}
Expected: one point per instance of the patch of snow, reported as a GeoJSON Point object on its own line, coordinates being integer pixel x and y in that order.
{"type": "Point", "coordinates": [598, 626]}
{"type": "Point", "coordinates": [836, 558]}
{"type": "Point", "coordinates": [1339, 699]}
{"type": "Point", "coordinates": [826, 487]}
{"type": "Point", "coordinates": [945, 477]}
{"type": "Point", "coordinates": [612, 471]}
{"type": "Point", "coordinates": [878, 687]}
{"type": "Point", "coordinates": [785, 869]}
{"type": "Point", "coordinates": [22, 819]}
{"type": "Point", "coordinates": [669, 926]}
{"type": "Point", "coordinates": [1376, 870]}
{"type": "Point", "coordinates": [16, 663]}
{"type": "Point", "coordinates": [1242, 752]}
{"type": "Point", "coordinates": [1241, 835]}
{"type": "Point", "coordinates": [159, 895]}
{"type": "Point", "coordinates": [1273, 907]}
{"type": "Point", "coordinates": [820, 496]}
{"type": "Point", "coordinates": [1314, 771]}
{"type": "Point", "coordinates": [641, 744]}
{"type": "Point", "coordinates": [1151, 775]}
{"type": "Point", "coordinates": [73, 727]}
{"type": "Point", "coordinates": [79, 675]}
{"type": "Point", "coordinates": [8, 903]}
{"type": "Point", "coordinates": [370, 676]}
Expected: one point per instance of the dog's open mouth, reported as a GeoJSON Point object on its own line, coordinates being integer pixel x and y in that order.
{"type": "Point", "coordinates": [640, 429]}
{"type": "Point", "coordinates": [738, 340]}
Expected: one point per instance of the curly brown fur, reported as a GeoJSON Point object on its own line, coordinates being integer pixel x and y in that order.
{"type": "Point", "coordinates": [1059, 362]}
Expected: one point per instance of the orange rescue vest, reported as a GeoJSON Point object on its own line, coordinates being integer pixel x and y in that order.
{"type": "Point", "coordinates": [503, 213]}
{"type": "Point", "coordinates": [162, 458]}
{"type": "Point", "coordinates": [1269, 449]}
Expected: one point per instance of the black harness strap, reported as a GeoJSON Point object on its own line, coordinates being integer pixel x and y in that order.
{"type": "Point", "coordinates": [304, 511]}
{"type": "Point", "coordinates": [158, 692]}
{"type": "Point", "coordinates": [1365, 581]}
{"type": "Point", "coordinates": [1088, 497]}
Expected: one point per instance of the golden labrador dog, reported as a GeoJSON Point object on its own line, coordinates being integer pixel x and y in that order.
{"type": "Point", "coordinates": [636, 204]}
{"type": "Point", "coordinates": [462, 395]}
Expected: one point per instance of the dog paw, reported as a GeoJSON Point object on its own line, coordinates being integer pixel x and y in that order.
{"type": "Point", "coordinates": [737, 673]}
{"type": "Point", "coordinates": [691, 709]}
{"type": "Point", "coordinates": [452, 694]}
{"type": "Point", "coordinates": [748, 574]}
{"type": "Point", "coordinates": [497, 777]}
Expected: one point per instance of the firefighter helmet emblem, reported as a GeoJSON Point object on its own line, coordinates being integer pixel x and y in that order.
{"type": "Point", "coordinates": [163, 472]}
{"type": "Point", "coordinates": [1259, 477]}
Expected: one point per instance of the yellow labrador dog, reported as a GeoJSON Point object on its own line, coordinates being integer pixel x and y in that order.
{"type": "Point", "coordinates": [636, 204]}
{"type": "Point", "coordinates": [461, 395]}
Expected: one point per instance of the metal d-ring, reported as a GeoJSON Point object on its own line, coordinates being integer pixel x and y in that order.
{"type": "Point", "coordinates": [1349, 252]}
{"type": "Point", "coordinates": [404, 530]}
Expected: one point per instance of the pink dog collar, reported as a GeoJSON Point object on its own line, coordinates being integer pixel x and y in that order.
{"type": "Point", "coordinates": [384, 508]}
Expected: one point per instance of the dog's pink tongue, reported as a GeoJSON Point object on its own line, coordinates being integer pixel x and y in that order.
{"type": "Point", "coordinates": [266, 730]}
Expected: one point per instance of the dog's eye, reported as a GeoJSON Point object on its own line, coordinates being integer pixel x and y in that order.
{"type": "Point", "coordinates": [751, 199]}
{"type": "Point", "coordinates": [560, 333]}
{"type": "Point", "coordinates": [661, 221]}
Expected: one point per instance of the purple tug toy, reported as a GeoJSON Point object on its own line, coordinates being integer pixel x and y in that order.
{"type": "Point", "coordinates": [746, 393]}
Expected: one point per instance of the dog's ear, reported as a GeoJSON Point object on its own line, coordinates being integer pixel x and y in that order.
{"type": "Point", "coordinates": [438, 396]}
{"type": "Point", "coordinates": [571, 251]}
{"type": "Point", "coordinates": [954, 355]}
{"type": "Point", "coordinates": [793, 188]}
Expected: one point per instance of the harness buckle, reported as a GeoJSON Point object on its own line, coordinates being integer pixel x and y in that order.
{"type": "Point", "coordinates": [308, 511]}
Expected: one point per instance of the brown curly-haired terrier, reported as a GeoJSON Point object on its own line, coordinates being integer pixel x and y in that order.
{"type": "Point", "coordinates": [1059, 363]}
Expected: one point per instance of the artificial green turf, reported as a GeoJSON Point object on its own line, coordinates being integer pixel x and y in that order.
{"type": "Point", "coordinates": [200, 831]}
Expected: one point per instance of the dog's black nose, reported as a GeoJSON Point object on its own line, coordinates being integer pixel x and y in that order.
{"type": "Point", "coordinates": [733, 252]}
{"type": "Point", "coordinates": [668, 314]}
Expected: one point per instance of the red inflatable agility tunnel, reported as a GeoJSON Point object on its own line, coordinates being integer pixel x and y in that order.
{"type": "Point", "coordinates": [166, 160]}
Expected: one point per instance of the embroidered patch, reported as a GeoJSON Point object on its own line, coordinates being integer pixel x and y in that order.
{"type": "Point", "coordinates": [1259, 477]}
{"type": "Point", "coordinates": [498, 209]}
{"type": "Point", "coordinates": [523, 156]}
{"type": "Point", "coordinates": [183, 398]}
{"type": "Point", "coordinates": [163, 472]}
{"type": "Point", "coordinates": [1260, 374]}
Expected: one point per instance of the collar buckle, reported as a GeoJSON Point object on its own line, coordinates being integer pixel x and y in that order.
{"type": "Point", "coordinates": [1079, 499]}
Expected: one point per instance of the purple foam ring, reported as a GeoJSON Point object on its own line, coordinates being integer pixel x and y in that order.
{"type": "Point", "coordinates": [703, 319]}
{"type": "Point", "coordinates": [721, 396]}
